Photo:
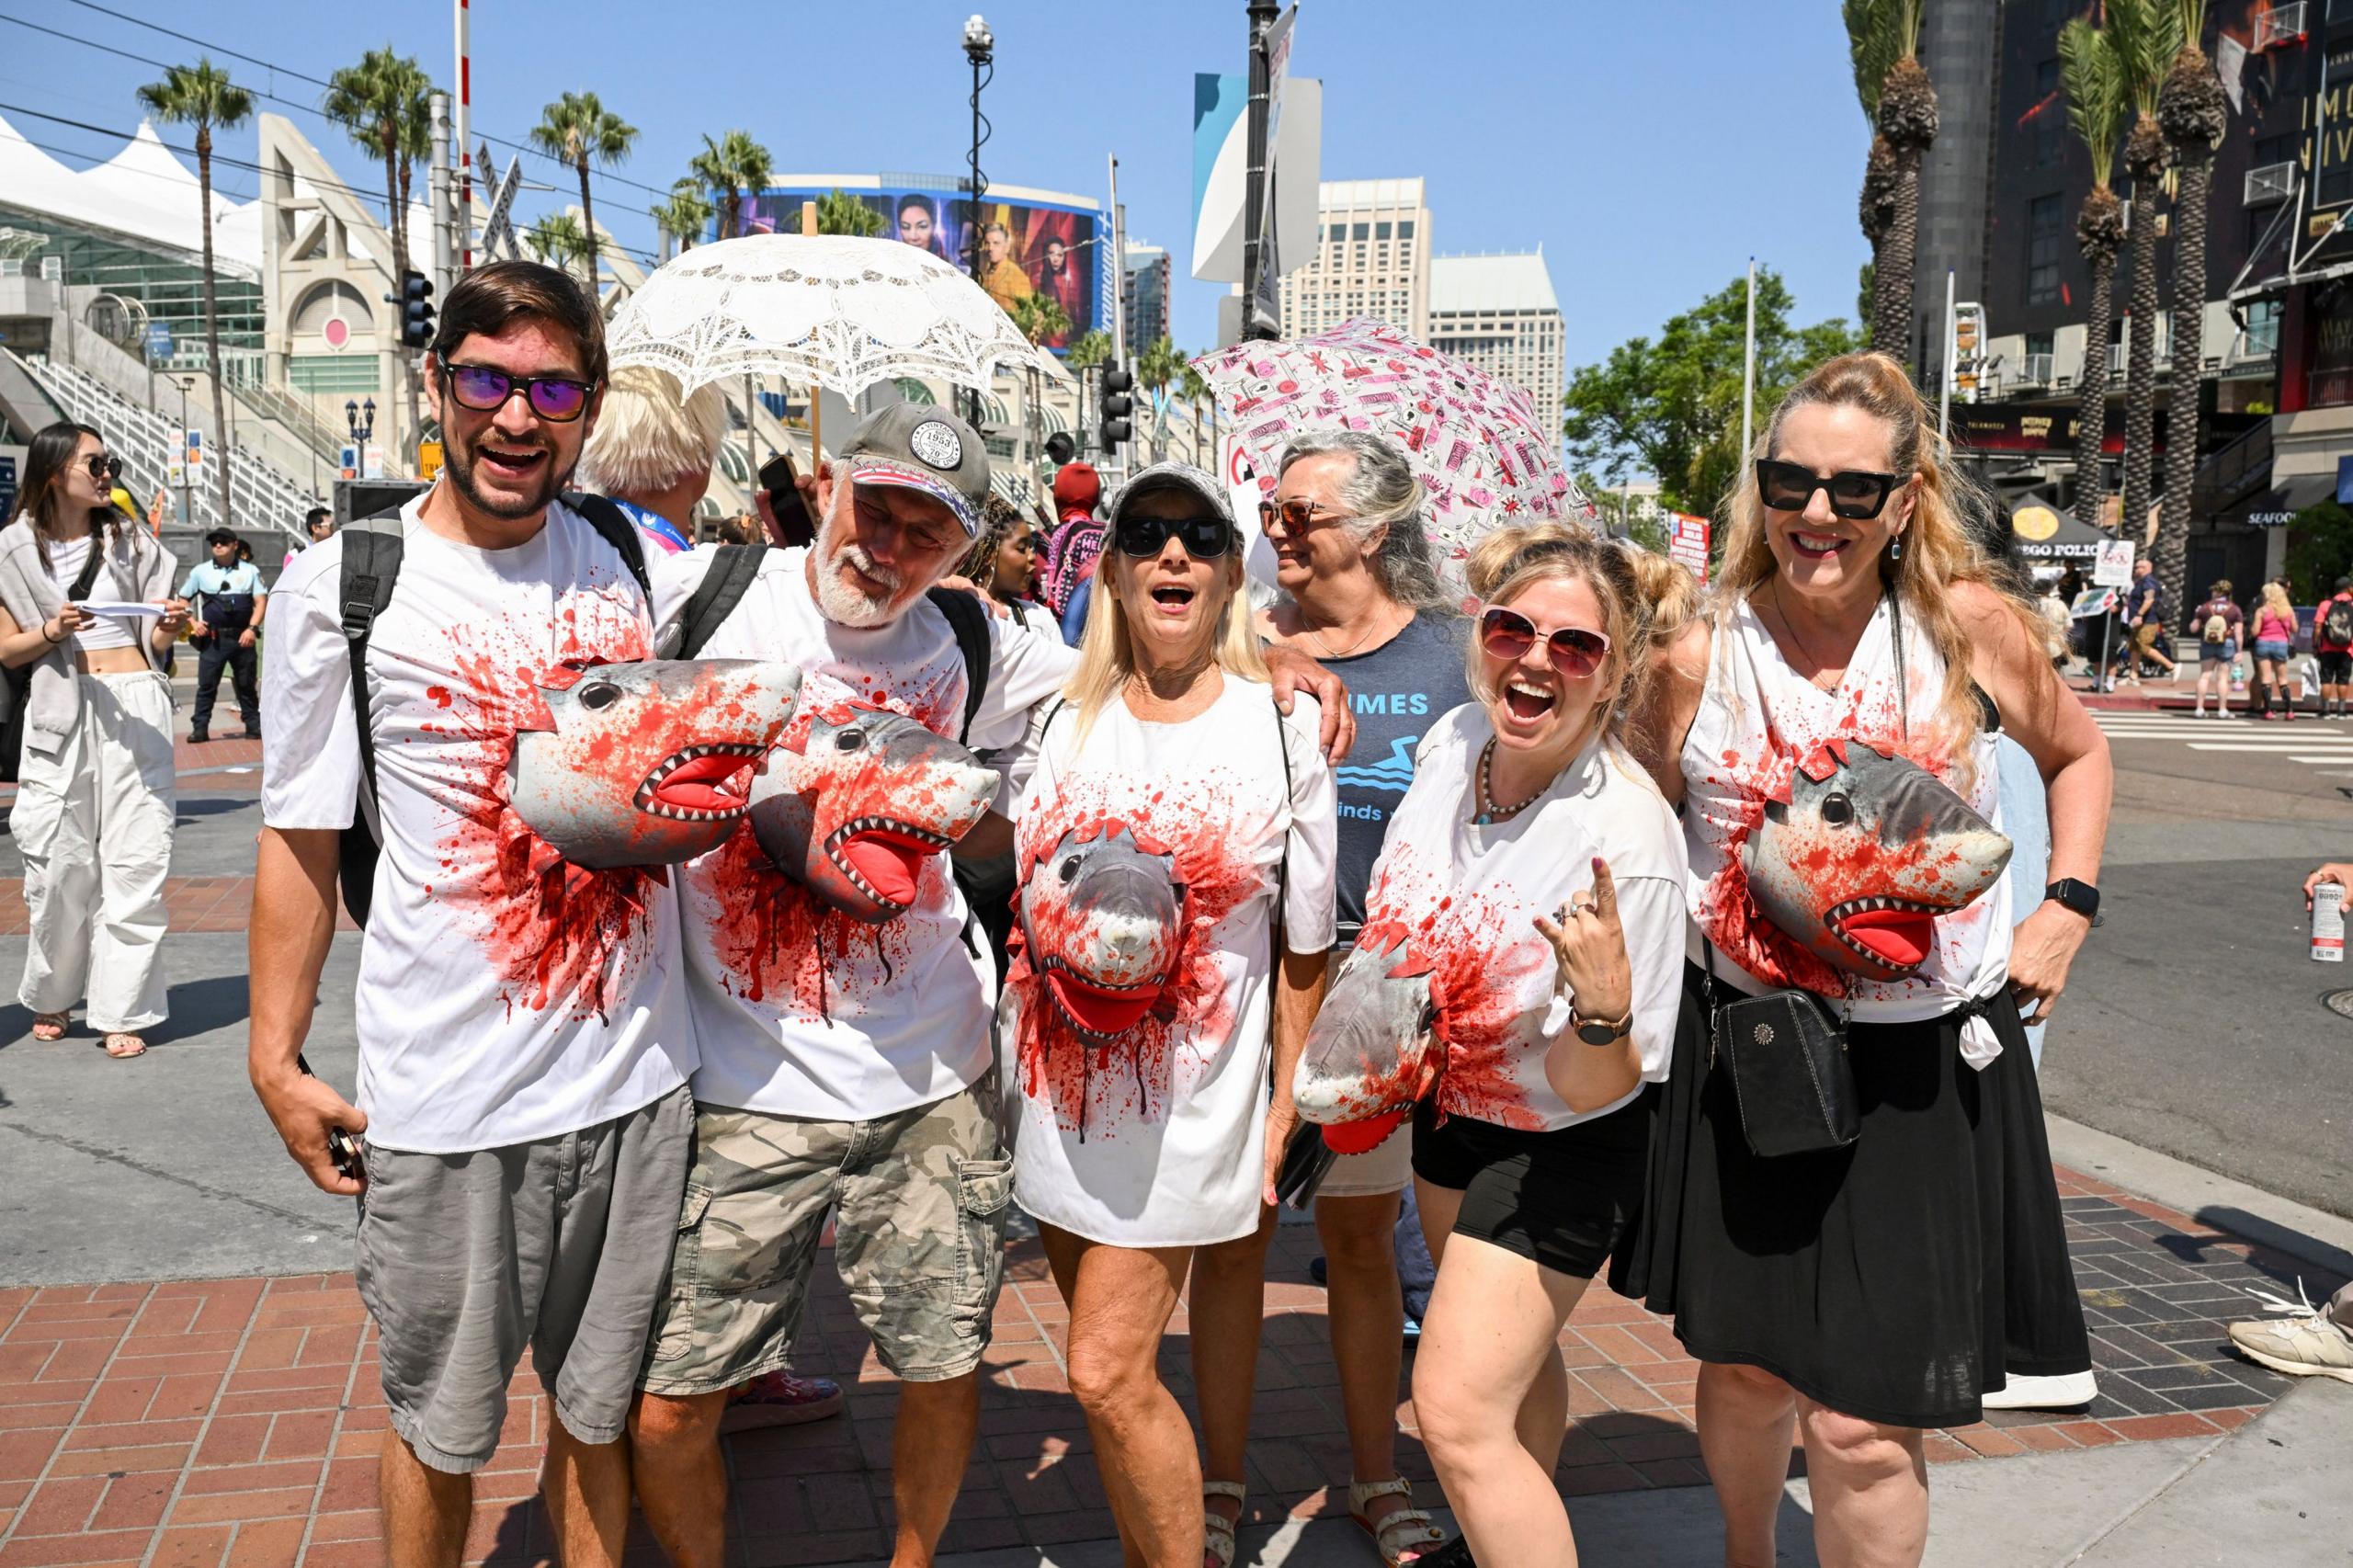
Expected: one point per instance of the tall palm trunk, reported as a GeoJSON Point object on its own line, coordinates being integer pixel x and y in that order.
{"type": "Point", "coordinates": [2194, 115]}
{"type": "Point", "coordinates": [2091, 395]}
{"type": "Point", "coordinates": [1893, 263]}
{"type": "Point", "coordinates": [588, 221]}
{"type": "Point", "coordinates": [212, 324]}
{"type": "Point", "coordinates": [2145, 155]}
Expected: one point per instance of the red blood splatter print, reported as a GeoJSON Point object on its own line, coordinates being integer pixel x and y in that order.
{"type": "Point", "coordinates": [1096, 1086]}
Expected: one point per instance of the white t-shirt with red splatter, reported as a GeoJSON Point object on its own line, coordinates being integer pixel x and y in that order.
{"type": "Point", "coordinates": [1756, 717]}
{"type": "Point", "coordinates": [1462, 899]}
{"type": "Point", "coordinates": [1155, 1139]}
{"type": "Point", "coordinates": [801, 1010]}
{"type": "Point", "coordinates": [504, 994]}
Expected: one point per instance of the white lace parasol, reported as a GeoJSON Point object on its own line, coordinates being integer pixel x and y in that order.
{"type": "Point", "coordinates": [841, 312]}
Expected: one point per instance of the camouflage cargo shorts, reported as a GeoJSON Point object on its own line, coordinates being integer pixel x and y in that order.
{"type": "Point", "coordinates": [919, 1199]}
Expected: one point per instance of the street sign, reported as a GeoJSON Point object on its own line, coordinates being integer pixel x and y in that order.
{"type": "Point", "coordinates": [374, 465]}
{"type": "Point", "coordinates": [175, 470]}
{"type": "Point", "coordinates": [428, 460]}
{"type": "Point", "coordinates": [347, 462]}
{"type": "Point", "coordinates": [11, 464]}
{"type": "Point", "coordinates": [159, 342]}
{"type": "Point", "coordinates": [2114, 567]}
{"type": "Point", "coordinates": [497, 229]}
{"type": "Point", "coordinates": [2092, 602]}
{"type": "Point", "coordinates": [195, 445]}
{"type": "Point", "coordinates": [1689, 543]}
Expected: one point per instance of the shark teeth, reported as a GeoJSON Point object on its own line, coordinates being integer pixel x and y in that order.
{"type": "Point", "coordinates": [855, 825]}
{"type": "Point", "coordinates": [1839, 913]}
{"type": "Point", "coordinates": [647, 801]}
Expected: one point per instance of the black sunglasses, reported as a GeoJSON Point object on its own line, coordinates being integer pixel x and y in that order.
{"type": "Point", "coordinates": [102, 466]}
{"type": "Point", "coordinates": [1204, 537]}
{"type": "Point", "coordinates": [1854, 495]}
{"type": "Point", "coordinates": [559, 398]}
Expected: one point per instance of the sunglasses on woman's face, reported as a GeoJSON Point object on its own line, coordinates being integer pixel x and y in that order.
{"type": "Point", "coordinates": [102, 467]}
{"type": "Point", "coordinates": [1575, 651]}
{"type": "Point", "coordinates": [558, 399]}
{"type": "Point", "coordinates": [1854, 496]}
{"type": "Point", "coordinates": [1204, 537]}
{"type": "Point", "coordinates": [1296, 515]}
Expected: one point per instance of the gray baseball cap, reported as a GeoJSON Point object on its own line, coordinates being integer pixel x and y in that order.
{"type": "Point", "coordinates": [1197, 482]}
{"type": "Point", "coordinates": [927, 448]}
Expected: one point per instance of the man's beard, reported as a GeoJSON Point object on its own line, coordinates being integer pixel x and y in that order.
{"type": "Point", "coordinates": [844, 603]}
{"type": "Point", "coordinates": [460, 464]}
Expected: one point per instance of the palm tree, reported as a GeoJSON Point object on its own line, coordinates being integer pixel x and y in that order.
{"type": "Point", "coordinates": [1156, 367]}
{"type": "Point", "coordinates": [731, 167]}
{"type": "Point", "coordinates": [2142, 33]}
{"type": "Point", "coordinates": [840, 213]}
{"type": "Point", "coordinates": [2193, 114]}
{"type": "Point", "coordinates": [1037, 317]}
{"type": "Point", "coordinates": [574, 130]}
{"type": "Point", "coordinates": [559, 240]}
{"type": "Point", "coordinates": [1883, 36]}
{"type": "Point", "coordinates": [1867, 42]}
{"type": "Point", "coordinates": [1087, 350]}
{"type": "Point", "coordinates": [383, 104]}
{"type": "Point", "coordinates": [201, 94]}
{"type": "Point", "coordinates": [1195, 389]}
{"type": "Point", "coordinates": [2094, 80]}
{"type": "Point", "coordinates": [684, 215]}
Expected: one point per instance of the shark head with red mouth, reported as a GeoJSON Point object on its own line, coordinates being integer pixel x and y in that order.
{"type": "Point", "coordinates": [1376, 1049]}
{"type": "Point", "coordinates": [853, 811]}
{"type": "Point", "coordinates": [646, 764]}
{"type": "Point", "coordinates": [1859, 854]}
{"type": "Point", "coordinates": [1102, 918]}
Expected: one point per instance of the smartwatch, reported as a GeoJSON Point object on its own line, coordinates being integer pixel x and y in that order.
{"type": "Point", "coordinates": [2081, 897]}
{"type": "Point", "coordinates": [1602, 1031]}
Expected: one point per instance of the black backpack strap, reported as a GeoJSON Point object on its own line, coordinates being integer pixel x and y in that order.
{"type": "Point", "coordinates": [372, 565]}
{"type": "Point", "coordinates": [969, 620]}
{"type": "Point", "coordinates": [613, 525]}
{"type": "Point", "coordinates": [714, 599]}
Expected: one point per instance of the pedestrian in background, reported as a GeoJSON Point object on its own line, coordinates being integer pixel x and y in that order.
{"type": "Point", "coordinates": [91, 728]}
{"type": "Point", "coordinates": [652, 453]}
{"type": "Point", "coordinates": [2275, 644]}
{"type": "Point", "coordinates": [2221, 625]}
{"type": "Point", "coordinates": [1852, 1299]}
{"type": "Point", "coordinates": [1072, 546]}
{"type": "Point", "coordinates": [227, 602]}
{"type": "Point", "coordinates": [2332, 642]}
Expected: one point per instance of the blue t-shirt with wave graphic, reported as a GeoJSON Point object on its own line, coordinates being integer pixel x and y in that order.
{"type": "Point", "coordinates": [1397, 691]}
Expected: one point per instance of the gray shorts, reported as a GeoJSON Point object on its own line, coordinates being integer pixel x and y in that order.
{"type": "Point", "coordinates": [918, 1200]}
{"type": "Point", "coordinates": [559, 1246]}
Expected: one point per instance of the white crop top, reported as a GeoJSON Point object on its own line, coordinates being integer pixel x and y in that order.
{"type": "Point", "coordinates": [65, 560]}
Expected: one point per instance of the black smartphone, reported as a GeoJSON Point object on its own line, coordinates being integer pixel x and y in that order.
{"type": "Point", "coordinates": [343, 1149]}
{"type": "Point", "coordinates": [793, 523]}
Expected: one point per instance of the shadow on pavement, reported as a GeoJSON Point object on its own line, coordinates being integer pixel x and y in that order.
{"type": "Point", "coordinates": [198, 1006]}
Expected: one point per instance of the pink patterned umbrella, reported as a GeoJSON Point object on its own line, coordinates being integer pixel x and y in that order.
{"type": "Point", "coordinates": [1477, 443]}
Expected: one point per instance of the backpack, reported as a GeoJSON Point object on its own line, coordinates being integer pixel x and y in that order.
{"type": "Point", "coordinates": [2216, 630]}
{"type": "Point", "coordinates": [722, 588]}
{"type": "Point", "coordinates": [2336, 626]}
{"type": "Point", "coordinates": [372, 565]}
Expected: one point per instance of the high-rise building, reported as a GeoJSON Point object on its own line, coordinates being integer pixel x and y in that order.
{"type": "Point", "coordinates": [1372, 260]}
{"type": "Point", "coordinates": [1144, 290]}
{"type": "Point", "coordinates": [1500, 313]}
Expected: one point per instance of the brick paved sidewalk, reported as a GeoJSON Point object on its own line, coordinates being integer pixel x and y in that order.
{"type": "Point", "coordinates": [234, 1421]}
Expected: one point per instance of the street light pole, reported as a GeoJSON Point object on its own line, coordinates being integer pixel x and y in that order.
{"type": "Point", "coordinates": [1253, 241]}
{"type": "Point", "coordinates": [980, 46]}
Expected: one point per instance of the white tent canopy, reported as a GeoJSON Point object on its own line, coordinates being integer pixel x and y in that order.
{"type": "Point", "coordinates": [143, 193]}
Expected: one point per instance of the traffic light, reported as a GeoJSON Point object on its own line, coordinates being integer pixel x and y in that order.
{"type": "Point", "coordinates": [1060, 448]}
{"type": "Point", "coordinates": [1116, 406]}
{"type": "Point", "coordinates": [415, 301]}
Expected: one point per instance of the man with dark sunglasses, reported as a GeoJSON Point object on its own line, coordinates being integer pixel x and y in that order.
{"type": "Point", "coordinates": [523, 1034]}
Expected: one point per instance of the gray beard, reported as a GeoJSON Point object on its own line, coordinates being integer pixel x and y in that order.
{"type": "Point", "coordinates": [846, 606]}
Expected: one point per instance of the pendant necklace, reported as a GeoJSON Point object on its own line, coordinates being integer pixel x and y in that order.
{"type": "Point", "coordinates": [1490, 814]}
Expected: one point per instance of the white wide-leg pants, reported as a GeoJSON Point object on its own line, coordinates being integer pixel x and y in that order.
{"type": "Point", "coordinates": [94, 824]}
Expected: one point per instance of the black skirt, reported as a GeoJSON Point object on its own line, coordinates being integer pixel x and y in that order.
{"type": "Point", "coordinates": [1872, 1278]}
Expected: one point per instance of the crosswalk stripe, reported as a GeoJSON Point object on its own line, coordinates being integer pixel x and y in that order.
{"type": "Point", "coordinates": [2275, 747]}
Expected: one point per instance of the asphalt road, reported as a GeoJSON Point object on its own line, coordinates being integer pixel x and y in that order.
{"type": "Point", "coordinates": [2193, 1026]}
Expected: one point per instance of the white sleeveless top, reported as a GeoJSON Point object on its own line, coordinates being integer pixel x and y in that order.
{"type": "Point", "coordinates": [1756, 717]}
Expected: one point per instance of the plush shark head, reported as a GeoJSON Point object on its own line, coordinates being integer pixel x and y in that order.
{"type": "Point", "coordinates": [1102, 917]}
{"type": "Point", "coordinates": [852, 813]}
{"type": "Point", "coordinates": [1861, 855]}
{"type": "Point", "coordinates": [647, 764]}
{"type": "Point", "coordinates": [1374, 1050]}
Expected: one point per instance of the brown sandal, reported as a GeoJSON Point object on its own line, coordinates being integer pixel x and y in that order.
{"type": "Point", "coordinates": [1401, 1530]}
{"type": "Point", "coordinates": [113, 1043]}
{"type": "Point", "coordinates": [1217, 1530]}
{"type": "Point", "coordinates": [51, 1026]}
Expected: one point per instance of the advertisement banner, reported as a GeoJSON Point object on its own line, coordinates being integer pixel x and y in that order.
{"type": "Point", "coordinates": [1221, 172]}
{"type": "Point", "coordinates": [1028, 248]}
{"type": "Point", "coordinates": [1687, 543]}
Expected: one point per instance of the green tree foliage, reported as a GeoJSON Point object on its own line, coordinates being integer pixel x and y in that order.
{"type": "Point", "coordinates": [1670, 406]}
{"type": "Point", "coordinates": [840, 213]}
{"type": "Point", "coordinates": [2319, 550]}
{"type": "Point", "coordinates": [1037, 317]}
{"type": "Point", "coordinates": [684, 215]}
{"type": "Point", "coordinates": [730, 167]}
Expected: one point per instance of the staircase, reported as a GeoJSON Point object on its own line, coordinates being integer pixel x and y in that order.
{"type": "Point", "coordinates": [263, 496]}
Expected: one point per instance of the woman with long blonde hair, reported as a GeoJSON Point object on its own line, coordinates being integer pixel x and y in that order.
{"type": "Point", "coordinates": [94, 810]}
{"type": "Point", "coordinates": [1175, 852]}
{"type": "Point", "coordinates": [2274, 646]}
{"type": "Point", "coordinates": [1856, 1294]}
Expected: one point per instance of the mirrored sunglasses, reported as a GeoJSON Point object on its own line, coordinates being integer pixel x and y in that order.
{"type": "Point", "coordinates": [1574, 652]}
{"type": "Point", "coordinates": [559, 398]}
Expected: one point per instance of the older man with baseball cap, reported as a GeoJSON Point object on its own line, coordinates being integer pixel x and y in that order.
{"type": "Point", "coordinates": [847, 1066]}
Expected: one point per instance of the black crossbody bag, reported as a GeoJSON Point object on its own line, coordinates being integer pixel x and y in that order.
{"type": "Point", "coordinates": [1785, 1051]}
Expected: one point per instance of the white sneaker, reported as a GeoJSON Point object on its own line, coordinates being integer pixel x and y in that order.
{"type": "Point", "coordinates": [2066, 1391]}
{"type": "Point", "coordinates": [2299, 1339]}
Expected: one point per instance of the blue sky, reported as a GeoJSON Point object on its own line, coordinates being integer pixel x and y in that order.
{"type": "Point", "coordinates": [1649, 146]}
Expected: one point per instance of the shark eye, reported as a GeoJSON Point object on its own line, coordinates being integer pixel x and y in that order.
{"type": "Point", "coordinates": [1068, 870]}
{"type": "Point", "coordinates": [849, 740]}
{"type": "Point", "coordinates": [602, 694]}
{"type": "Point", "coordinates": [1837, 810]}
